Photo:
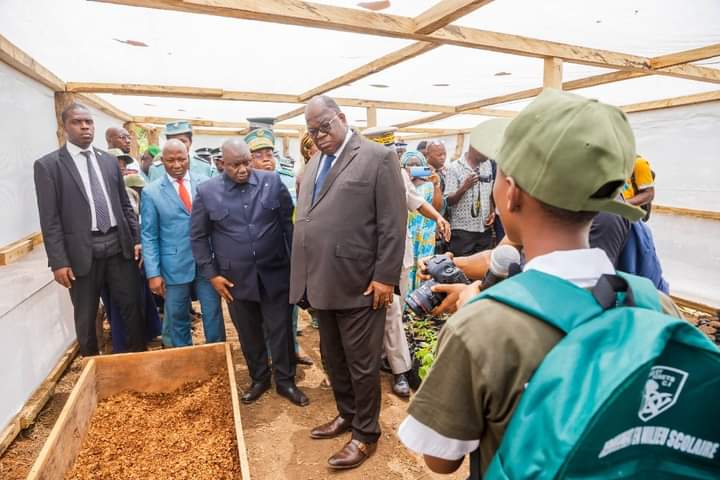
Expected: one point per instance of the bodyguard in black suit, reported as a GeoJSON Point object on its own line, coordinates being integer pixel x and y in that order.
{"type": "Point", "coordinates": [241, 232]}
{"type": "Point", "coordinates": [90, 229]}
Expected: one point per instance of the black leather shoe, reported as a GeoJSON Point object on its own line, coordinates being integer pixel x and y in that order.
{"type": "Point", "coordinates": [255, 392]}
{"type": "Point", "coordinates": [294, 394]}
{"type": "Point", "coordinates": [401, 386]}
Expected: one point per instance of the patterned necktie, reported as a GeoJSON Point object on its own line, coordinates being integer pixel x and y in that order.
{"type": "Point", "coordinates": [324, 170]}
{"type": "Point", "coordinates": [184, 195]}
{"type": "Point", "coordinates": [102, 213]}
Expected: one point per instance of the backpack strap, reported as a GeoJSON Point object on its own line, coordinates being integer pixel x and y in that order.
{"type": "Point", "coordinates": [546, 297]}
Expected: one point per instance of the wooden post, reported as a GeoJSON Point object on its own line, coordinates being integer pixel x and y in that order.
{"type": "Point", "coordinates": [134, 146]}
{"type": "Point", "coordinates": [62, 100]}
{"type": "Point", "coordinates": [460, 143]}
{"type": "Point", "coordinates": [154, 136]}
{"type": "Point", "coordinates": [371, 117]}
{"type": "Point", "coordinates": [552, 73]}
{"type": "Point", "coordinates": [286, 146]}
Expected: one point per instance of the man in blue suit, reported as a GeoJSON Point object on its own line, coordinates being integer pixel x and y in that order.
{"type": "Point", "coordinates": [169, 265]}
{"type": "Point", "coordinates": [241, 236]}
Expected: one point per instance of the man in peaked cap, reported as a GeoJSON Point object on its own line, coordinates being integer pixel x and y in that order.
{"type": "Point", "coordinates": [182, 130]}
{"type": "Point", "coordinates": [262, 146]}
{"type": "Point", "coordinates": [400, 147]}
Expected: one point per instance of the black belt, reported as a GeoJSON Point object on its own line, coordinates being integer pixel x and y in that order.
{"type": "Point", "coordinates": [98, 233]}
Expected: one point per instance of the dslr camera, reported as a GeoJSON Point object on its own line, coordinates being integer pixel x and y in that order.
{"type": "Point", "coordinates": [442, 270]}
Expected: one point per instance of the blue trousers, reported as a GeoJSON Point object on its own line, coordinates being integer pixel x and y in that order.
{"type": "Point", "coordinates": [176, 327]}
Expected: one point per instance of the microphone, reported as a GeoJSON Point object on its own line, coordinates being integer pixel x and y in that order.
{"type": "Point", "coordinates": [504, 261]}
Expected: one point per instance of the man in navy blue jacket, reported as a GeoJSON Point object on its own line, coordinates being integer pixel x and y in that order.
{"type": "Point", "coordinates": [241, 236]}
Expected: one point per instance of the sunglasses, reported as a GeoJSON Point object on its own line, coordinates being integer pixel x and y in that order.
{"type": "Point", "coordinates": [324, 127]}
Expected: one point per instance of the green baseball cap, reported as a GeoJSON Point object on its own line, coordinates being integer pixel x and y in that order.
{"type": "Point", "coordinates": [487, 136]}
{"type": "Point", "coordinates": [562, 148]}
{"type": "Point", "coordinates": [134, 180]}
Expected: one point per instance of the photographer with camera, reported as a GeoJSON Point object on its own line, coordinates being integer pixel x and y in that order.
{"type": "Point", "coordinates": [468, 189]}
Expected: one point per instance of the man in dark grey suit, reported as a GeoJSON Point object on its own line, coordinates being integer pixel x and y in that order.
{"type": "Point", "coordinates": [241, 229]}
{"type": "Point", "coordinates": [347, 254]}
{"type": "Point", "coordinates": [90, 229]}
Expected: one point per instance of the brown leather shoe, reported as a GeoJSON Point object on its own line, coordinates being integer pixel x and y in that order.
{"type": "Point", "coordinates": [352, 455]}
{"type": "Point", "coordinates": [337, 426]}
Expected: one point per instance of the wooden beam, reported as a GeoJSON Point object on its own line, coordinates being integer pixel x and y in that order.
{"type": "Point", "coordinates": [97, 102]}
{"type": "Point", "coordinates": [16, 250]}
{"type": "Point", "coordinates": [552, 73]}
{"type": "Point", "coordinates": [420, 121]}
{"type": "Point", "coordinates": [371, 117]}
{"type": "Point", "coordinates": [686, 212]}
{"type": "Point", "coordinates": [459, 144]}
{"type": "Point", "coordinates": [25, 64]}
{"type": "Point", "coordinates": [62, 100]}
{"type": "Point", "coordinates": [291, 114]}
{"type": "Point", "coordinates": [178, 92]}
{"type": "Point", "coordinates": [432, 131]}
{"type": "Point", "coordinates": [241, 132]}
{"type": "Point", "coordinates": [444, 13]}
{"type": "Point", "coordinates": [686, 56]}
{"type": "Point", "coordinates": [673, 102]}
{"type": "Point", "coordinates": [134, 146]}
{"type": "Point", "coordinates": [296, 12]}
{"type": "Point", "coordinates": [375, 66]}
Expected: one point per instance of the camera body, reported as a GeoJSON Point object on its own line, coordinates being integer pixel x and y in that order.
{"type": "Point", "coordinates": [442, 270]}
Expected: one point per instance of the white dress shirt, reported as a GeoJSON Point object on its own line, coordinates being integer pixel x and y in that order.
{"type": "Point", "coordinates": [337, 153]}
{"type": "Point", "coordinates": [186, 184]}
{"type": "Point", "coordinates": [81, 164]}
{"type": "Point", "coordinates": [580, 267]}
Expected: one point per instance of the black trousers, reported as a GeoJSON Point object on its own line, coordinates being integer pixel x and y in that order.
{"type": "Point", "coordinates": [252, 320]}
{"type": "Point", "coordinates": [121, 276]}
{"type": "Point", "coordinates": [464, 243]}
{"type": "Point", "coordinates": [351, 343]}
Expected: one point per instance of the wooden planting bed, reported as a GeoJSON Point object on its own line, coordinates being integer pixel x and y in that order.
{"type": "Point", "coordinates": [148, 373]}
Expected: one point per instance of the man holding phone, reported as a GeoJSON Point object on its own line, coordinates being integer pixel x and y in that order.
{"type": "Point", "coordinates": [468, 189]}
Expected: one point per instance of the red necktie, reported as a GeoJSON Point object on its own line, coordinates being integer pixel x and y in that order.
{"type": "Point", "coordinates": [184, 195]}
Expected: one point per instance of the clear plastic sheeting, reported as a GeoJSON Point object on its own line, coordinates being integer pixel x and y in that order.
{"type": "Point", "coordinates": [36, 327]}
{"type": "Point", "coordinates": [683, 147]}
{"type": "Point", "coordinates": [27, 116]}
{"type": "Point", "coordinates": [639, 27]}
{"type": "Point", "coordinates": [689, 252]}
{"type": "Point", "coordinates": [196, 50]}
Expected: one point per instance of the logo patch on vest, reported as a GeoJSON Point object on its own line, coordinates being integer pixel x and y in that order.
{"type": "Point", "coordinates": [661, 392]}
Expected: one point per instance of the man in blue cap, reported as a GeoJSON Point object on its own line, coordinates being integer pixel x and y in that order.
{"type": "Point", "coordinates": [262, 147]}
{"type": "Point", "coordinates": [182, 130]}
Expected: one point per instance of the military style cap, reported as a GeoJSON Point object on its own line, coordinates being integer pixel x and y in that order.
{"type": "Point", "coordinates": [120, 154]}
{"type": "Point", "coordinates": [260, 138]}
{"type": "Point", "coordinates": [134, 180]}
{"type": "Point", "coordinates": [261, 122]}
{"type": "Point", "coordinates": [562, 148]}
{"type": "Point", "coordinates": [216, 153]}
{"type": "Point", "coordinates": [204, 152]}
{"type": "Point", "coordinates": [177, 128]}
{"type": "Point", "coordinates": [382, 135]}
{"type": "Point", "coordinates": [487, 136]}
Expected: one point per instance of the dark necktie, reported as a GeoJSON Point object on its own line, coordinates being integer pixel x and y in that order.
{"type": "Point", "coordinates": [102, 214]}
{"type": "Point", "coordinates": [324, 170]}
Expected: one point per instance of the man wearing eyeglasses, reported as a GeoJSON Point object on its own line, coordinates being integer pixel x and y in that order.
{"type": "Point", "coordinates": [118, 137]}
{"type": "Point", "coordinates": [468, 188]}
{"type": "Point", "coordinates": [347, 254]}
